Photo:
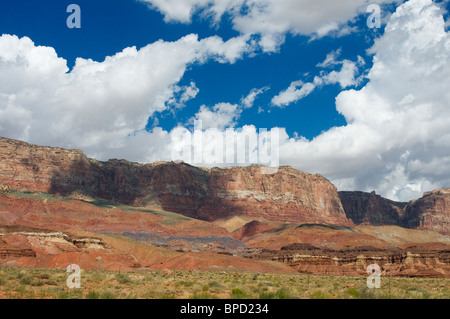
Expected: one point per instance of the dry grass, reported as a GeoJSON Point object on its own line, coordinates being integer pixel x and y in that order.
{"type": "Point", "coordinates": [51, 283]}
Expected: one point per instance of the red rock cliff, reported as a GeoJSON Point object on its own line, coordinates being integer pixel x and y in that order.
{"type": "Point", "coordinates": [209, 194]}
{"type": "Point", "coordinates": [431, 212]}
{"type": "Point", "coordinates": [370, 208]}
{"type": "Point", "coordinates": [289, 195]}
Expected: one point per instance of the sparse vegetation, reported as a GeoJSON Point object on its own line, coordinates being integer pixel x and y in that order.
{"type": "Point", "coordinates": [51, 283]}
{"type": "Point", "coordinates": [92, 295]}
{"type": "Point", "coordinates": [237, 293]}
{"type": "Point", "coordinates": [108, 295]}
{"type": "Point", "coordinates": [282, 293]}
{"type": "Point", "coordinates": [123, 278]}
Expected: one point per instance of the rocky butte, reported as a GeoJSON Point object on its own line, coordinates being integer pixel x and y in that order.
{"type": "Point", "coordinates": [208, 194]}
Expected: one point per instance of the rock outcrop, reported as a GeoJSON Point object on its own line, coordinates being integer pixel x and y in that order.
{"type": "Point", "coordinates": [370, 208]}
{"type": "Point", "coordinates": [287, 196]}
{"type": "Point", "coordinates": [353, 261]}
{"type": "Point", "coordinates": [208, 194]}
{"type": "Point", "coordinates": [431, 212]}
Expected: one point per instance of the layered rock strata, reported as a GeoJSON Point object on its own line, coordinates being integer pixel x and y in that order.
{"type": "Point", "coordinates": [208, 194]}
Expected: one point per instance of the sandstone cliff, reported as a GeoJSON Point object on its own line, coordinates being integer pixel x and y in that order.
{"type": "Point", "coordinates": [370, 208]}
{"type": "Point", "coordinates": [208, 194]}
{"type": "Point", "coordinates": [288, 196]}
{"type": "Point", "coordinates": [431, 212]}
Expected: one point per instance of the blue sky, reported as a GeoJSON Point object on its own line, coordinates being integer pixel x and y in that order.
{"type": "Point", "coordinates": [110, 26]}
{"type": "Point", "coordinates": [273, 49]}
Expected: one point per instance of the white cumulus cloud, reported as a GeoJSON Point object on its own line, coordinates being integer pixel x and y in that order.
{"type": "Point", "coordinates": [221, 116]}
{"type": "Point", "coordinates": [225, 115]}
{"type": "Point", "coordinates": [396, 140]}
{"type": "Point", "coordinates": [97, 105]}
{"type": "Point", "coordinates": [345, 77]}
{"type": "Point", "coordinates": [271, 19]}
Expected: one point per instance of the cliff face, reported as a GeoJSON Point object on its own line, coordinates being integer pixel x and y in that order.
{"type": "Point", "coordinates": [209, 194]}
{"type": "Point", "coordinates": [370, 208]}
{"type": "Point", "coordinates": [431, 212]}
{"type": "Point", "coordinates": [28, 167]}
{"type": "Point", "coordinates": [288, 196]}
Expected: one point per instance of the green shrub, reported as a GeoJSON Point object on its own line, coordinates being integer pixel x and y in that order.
{"type": "Point", "coordinates": [203, 295]}
{"type": "Point", "coordinates": [44, 276]}
{"type": "Point", "coordinates": [367, 293]}
{"type": "Point", "coordinates": [354, 293]}
{"type": "Point", "coordinates": [25, 280]}
{"type": "Point", "coordinates": [123, 279]}
{"type": "Point", "coordinates": [92, 295]}
{"type": "Point", "coordinates": [20, 289]}
{"type": "Point", "coordinates": [108, 295]}
{"type": "Point", "coordinates": [36, 283]}
{"type": "Point", "coordinates": [237, 293]}
{"type": "Point", "coordinates": [214, 284]}
{"type": "Point", "coordinates": [319, 294]}
{"type": "Point", "coordinates": [187, 283]}
{"type": "Point", "coordinates": [51, 283]}
{"type": "Point", "coordinates": [279, 294]}
{"type": "Point", "coordinates": [283, 293]}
